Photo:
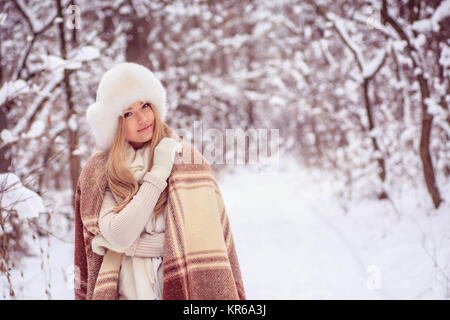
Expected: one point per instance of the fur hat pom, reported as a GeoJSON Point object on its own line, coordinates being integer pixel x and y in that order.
{"type": "Point", "coordinates": [122, 85]}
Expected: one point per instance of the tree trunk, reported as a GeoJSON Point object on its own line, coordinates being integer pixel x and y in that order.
{"type": "Point", "coordinates": [74, 161]}
{"type": "Point", "coordinates": [137, 47]}
{"type": "Point", "coordinates": [425, 156]}
{"type": "Point", "coordinates": [380, 160]}
{"type": "Point", "coordinates": [4, 163]}
{"type": "Point", "coordinates": [427, 118]}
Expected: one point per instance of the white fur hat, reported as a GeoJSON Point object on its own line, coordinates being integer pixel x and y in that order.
{"type": "Point", "coordinates": [122, 85]}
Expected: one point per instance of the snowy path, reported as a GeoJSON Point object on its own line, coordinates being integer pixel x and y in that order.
{"type": "Point", "coordinates": [290, 248]}
{"type": "Point", "coordinates": [282, 229]}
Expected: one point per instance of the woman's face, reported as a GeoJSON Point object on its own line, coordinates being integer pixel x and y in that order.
{"type": "Point", "coordinates": [139, 123]}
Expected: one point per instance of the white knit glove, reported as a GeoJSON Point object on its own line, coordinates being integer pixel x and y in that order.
{"type": "Point", "coordinates": [164, 157]}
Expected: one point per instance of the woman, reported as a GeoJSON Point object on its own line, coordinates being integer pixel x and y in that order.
{"type": "Point", "coordinates": [150, 222]}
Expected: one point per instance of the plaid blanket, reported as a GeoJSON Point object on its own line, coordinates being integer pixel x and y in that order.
{"type": "Point", "coordinates": [199, 256]}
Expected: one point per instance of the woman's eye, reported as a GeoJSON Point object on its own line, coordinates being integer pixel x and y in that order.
{"type": "Point", "coordinates": [145, 105]}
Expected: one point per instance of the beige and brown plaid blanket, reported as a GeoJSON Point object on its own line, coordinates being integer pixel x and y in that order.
{"type": "Point", "coordinates": [199, 257]}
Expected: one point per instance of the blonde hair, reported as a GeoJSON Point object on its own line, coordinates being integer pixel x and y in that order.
{"type": "Point", "coordinates": [119, 177]}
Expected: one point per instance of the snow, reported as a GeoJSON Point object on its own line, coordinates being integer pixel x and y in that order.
{"type": "Point", "coordinates": [37, 128]}
{"type": "Point", "coordinates": [79, 151]}
{"type": "Point", "coordinates": [433, 106]}
{"type": "Point", "coordinates": [417, 71]}
{"type": "Point", "coordinates": [370, 67]}
{"type": "Point", "coordinates": [6, 136]}
{"type": "Point", "coordinates": [87, 53]}
{"type": "Point", "coordinates": [439, 114]}
{"type": "Point", "coordinates": [399, 45]}
{"type": "Point", "coordinates": [423, 25]}
{"type": "Point", "coordinates": [236, 42]}
{"type": "Point", "coordinates": [12, 89]}
{"type": "Point", "coordinates": [15, 196]}
{"type": "Point", "coordinates": [367, 68]}
{"type": "Point", "coordinates": [299, 61]}
{"type": "Point", "coordinates": [55, 62]}
{"type": "Point", "coordinates": [441, 12]}
{"type": "Point", "coordinates": [73, 125]}
{"type": "Point", "coordinates": [36, 24]}
{"type": "Point", "coordinates": [3, 16]}
{"type": "Point", "coordinates": [43, 94]}
{"type": "Point", "coordinates": [432, 23]}
{"type": "Point", "coordinates": [262, 28]}
{"type": "Point", "coordinates": [420, 40]}
{"type": "Point", "coordinates": [444, 60]}
{"type": "Point", "coordinates": [296, 240]}
{"type": "Point", "coordinates": [276, 100]}
{"type": "Point", "coordinates": [253, 95]}
{"type": "Point", "coordinates": [340, 25]}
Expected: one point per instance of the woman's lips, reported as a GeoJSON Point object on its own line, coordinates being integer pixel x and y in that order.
{"type": "Point", "coordinates": [145, 129]}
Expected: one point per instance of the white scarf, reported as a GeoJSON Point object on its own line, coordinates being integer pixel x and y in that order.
{"type": "Point", "coordinates": [137, 160]}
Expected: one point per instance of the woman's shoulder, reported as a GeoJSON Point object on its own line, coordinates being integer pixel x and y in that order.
{"type": "Point", "coordinates": [98, 158]}
{"type": "Point", "coordinates": [92, 166]}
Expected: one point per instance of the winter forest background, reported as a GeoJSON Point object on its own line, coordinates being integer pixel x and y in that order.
{"type": "Point", "coordinates": [358, 205]}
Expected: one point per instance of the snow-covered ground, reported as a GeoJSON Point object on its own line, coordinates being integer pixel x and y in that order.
{"type": "Point", "coordinates": [294, 241]}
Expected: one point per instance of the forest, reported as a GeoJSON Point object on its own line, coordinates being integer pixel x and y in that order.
{"type": "Point", "coordinates": [357, 91]}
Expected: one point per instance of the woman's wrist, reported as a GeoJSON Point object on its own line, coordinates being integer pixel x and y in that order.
{"type": "Point", "coordinates": [155, 178]}
{"type": "Point", "coordinates": [160, 172]}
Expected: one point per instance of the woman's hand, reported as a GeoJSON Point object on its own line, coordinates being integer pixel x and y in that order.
{"type": "Point", "coordinates": [164, 157]}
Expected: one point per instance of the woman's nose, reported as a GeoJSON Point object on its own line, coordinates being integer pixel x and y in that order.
{"type": "Point", "coordinates": [140, 117]}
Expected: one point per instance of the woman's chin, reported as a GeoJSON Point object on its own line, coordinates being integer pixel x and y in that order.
{"type": "Point", "coordinates": [144, 138]}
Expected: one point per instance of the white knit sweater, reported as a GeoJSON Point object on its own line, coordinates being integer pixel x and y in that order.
{"type": "Point", "coordinates": [135, 232]}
